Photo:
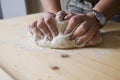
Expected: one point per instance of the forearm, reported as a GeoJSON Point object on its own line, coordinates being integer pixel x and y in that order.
{"type": "Point", "coordinates": [51, 5]}
{"type": "Point", "coordinates": [108, 7]}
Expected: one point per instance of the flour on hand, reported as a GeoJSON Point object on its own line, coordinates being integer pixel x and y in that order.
{"type": "Point", "coordinates": [61, 41]}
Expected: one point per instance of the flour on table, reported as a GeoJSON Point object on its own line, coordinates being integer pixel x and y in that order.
{"type": "Point", "coordinates": [61, 41]}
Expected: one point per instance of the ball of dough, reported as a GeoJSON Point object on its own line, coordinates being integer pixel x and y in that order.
{"type": "Point", "coordinates": [61, 41]}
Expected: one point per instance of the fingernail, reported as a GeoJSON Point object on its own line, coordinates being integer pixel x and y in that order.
{"type": "Point", "coordinates": [65, 32]}
{"type": "Point", "coordinates": [55, 33]}
{"type": "Point", "coordinates": [65, 17]}
{"type": "Point", "coordinates": [49, 38]}
{"type": "Point", "coordinates": [77, 42]}
{"type": "Point", "coordinates": [59, 17]}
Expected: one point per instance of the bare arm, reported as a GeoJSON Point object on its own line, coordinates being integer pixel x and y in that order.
{"type": "Point", "coordinates": [108, 7]}
{"type": "Point", "coordinates": [51, 5]}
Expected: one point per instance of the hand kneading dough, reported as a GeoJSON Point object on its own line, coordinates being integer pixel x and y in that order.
{"type": "Point", "coordinates": [61, 41]}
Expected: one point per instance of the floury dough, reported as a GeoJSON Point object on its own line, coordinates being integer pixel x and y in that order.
{"type": "Point", "coordinates": [61, 41]}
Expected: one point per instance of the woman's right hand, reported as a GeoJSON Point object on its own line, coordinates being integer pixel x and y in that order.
{"type": "Point", "coordinates": [45, 26]}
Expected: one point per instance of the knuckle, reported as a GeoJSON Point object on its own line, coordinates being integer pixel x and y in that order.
{"type": "Point", "coordinates": [61, 12]}
{"type": "Point", "coordinates": [83, 29]}
{"type": "Point", "coordinates": [76, 33]}
{"type": "Point", "coordinates": [69, 28]}
{"type": "Point", "coordinates": [70, 15]}
{"type": "Point", "coordinates": [73, 20]}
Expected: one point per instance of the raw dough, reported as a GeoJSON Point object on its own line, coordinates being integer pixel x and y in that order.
{"type": "Point", "coordinates": [61, 41]}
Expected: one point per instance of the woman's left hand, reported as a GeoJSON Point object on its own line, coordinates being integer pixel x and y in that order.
{"type": "Point", "coordinates": [85, 28]}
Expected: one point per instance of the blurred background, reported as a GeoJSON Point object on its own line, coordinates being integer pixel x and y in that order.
{"type": "Point", "coordinates": [15, 8]}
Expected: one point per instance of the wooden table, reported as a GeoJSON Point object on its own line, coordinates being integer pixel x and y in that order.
{"type": "Point", "coordinates": [21, 59]}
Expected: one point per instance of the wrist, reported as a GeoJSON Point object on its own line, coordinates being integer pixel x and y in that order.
{"type": "Point", "coordinates": [92, 16]}
{"type": "Point", "coordinates": [100, 18]}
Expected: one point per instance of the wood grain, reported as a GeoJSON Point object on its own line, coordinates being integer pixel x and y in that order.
{"type": "Point", "coordinates": [23, 60]}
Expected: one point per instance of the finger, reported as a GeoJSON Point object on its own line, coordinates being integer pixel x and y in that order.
{"type": "Point", "coordinates": [73, 23]}
{"type": "Point", "coordinates": [39, 33]}
{"type": "Point", "coordinates": [35, 31]}
{"type": "Point", "coordinates": [30, 30]}
{"type": "Point", "coordinates": [69, 15]}
{"type": "Point", "coordinates": [50, 23]}
{"type": "Point", "coordinates": [31, 26]}
{"type": "Point", "coordinates": [80, 30]}
{"type": "Point", "coordinates": [60, 15]}
{"type": "Point", "coordinates": [44, 29]}
{"type": "Point", "coordinates": [87, 36]}
{"type": "Point", "coordinates": [95, 40]}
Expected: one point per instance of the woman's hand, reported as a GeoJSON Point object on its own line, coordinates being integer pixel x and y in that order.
{"type": "Point", "coordinates": [85, 28]}
{"type": "Point", "coordinates": [45, 26]}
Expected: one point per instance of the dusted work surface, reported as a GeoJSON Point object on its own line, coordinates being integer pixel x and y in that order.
{"type": "Point", "coordinates": [21, 59]}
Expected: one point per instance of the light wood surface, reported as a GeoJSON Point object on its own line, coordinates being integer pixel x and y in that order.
{"type": "Point", "coordinates": [21, 59]}
{"type": "Point", "coordinates": [4, 75]}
